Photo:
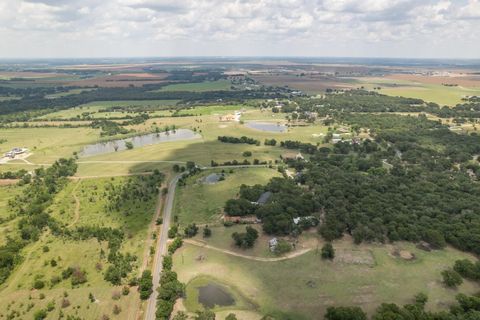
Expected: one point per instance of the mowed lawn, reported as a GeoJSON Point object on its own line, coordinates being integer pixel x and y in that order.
{"type": "Point", "coordinates": [303, 287]}
{"type": "Point", "coordinates": [203, 203]}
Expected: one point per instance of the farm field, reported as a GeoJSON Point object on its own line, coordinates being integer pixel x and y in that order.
{"type": "Point", "coordinates": [202, 203]}
{"type": "Point", "coordinates": [304, 286]}
{"type": "Point", "coordinates": [199, 86]}
{"type": "Point", "coordinates": [425, 90]}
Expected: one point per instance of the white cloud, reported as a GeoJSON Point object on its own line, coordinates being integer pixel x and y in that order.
{"type": "Point", "coordinates": [248, 27]}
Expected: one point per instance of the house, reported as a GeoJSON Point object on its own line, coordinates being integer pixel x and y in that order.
{"type": "Point", "coordinates": [15, 151]}
{"type": "Point", "coordinates": [264, 197]}
{"type": "Point", "coordinates": [293, 156]}
{"type": "Point", "coordinates": [272, 244]}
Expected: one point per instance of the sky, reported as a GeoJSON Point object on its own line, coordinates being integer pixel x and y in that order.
{"type": "Point", "coordinates": [320, 28]}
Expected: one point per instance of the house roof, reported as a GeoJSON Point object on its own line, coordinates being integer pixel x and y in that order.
{"type": "Point", "coordinates": [264, 197]}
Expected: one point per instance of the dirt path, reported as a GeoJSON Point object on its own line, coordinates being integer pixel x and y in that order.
{"type": "Point", "coordinates": [290, 255]}
{"type": "Point", "coordinates": [76, 215]}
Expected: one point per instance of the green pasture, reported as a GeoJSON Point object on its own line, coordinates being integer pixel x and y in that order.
{"type": "Point", "coordinates": [305, 286]}
{"type": "Point", "coordinates": [94, 107]}
{"type": "Point", "coordinates": [47, 144]}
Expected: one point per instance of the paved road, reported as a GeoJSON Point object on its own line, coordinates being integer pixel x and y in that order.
{"type": "Point", "coordinates": [161, 247]}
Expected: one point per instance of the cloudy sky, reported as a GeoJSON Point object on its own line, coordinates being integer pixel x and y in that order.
{"type": "Point", "coordinates": [347, 28]}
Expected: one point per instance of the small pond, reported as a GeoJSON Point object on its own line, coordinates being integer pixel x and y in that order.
{"type": "Point", "coordinates": [138, 141]}
{"type": "Point", "coordinates": [266, 126]}
{"type": "Point", "coordinates": [212, 178]}
{"type": "Point", "coordinates": [213, 295]}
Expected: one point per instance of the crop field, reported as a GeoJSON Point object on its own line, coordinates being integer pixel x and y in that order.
{"type": "Point", "coordinates": [365, 275]}
{"type": "Point", "coordinates": [308, 84]}
{"type": "Point", "coordinates": [200, 86]}
{"type": "Point", "coordinates": [201, 203]}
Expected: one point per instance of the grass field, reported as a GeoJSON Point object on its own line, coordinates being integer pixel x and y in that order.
{"type": "Point", "coordinates": [305, 286]}
{"type": "Point", "coordinates": [48, 144]}
{"type": "Point", "coordinates": [203, 203]}
{"type": "Point", "coordinates": [94, 107]}
{"type": "Point", "coordinates": [430, 92]}
{"type": "Point", "coordinates": [80, 203]}
{"type": "Point", "coordinates": [199, 86]}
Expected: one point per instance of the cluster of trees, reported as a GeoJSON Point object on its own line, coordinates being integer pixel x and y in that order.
{"type": "Point", "coordinates": [245, 239]}
{"type": "Point", "coordinates": [170, 288]}
{"type": "Point", "coordinates": [134, 191]}
{"type": "Point", "coordinates": [120, 264]}
{"type": "Point", "coordinates": [145, 285]}
{"type": "Point", "coordinates": [466, 308]}
{"type": "Point", "coordinates": [244, 162]}
{"type": "Point", "coordinates": [468, 269]}
{"type": "Point", "coordinates": [35, 100]}
{"type": "Point", "coordinates": [270, 142]}
{"type": "Point", "coordinates": [31, 205]}
{"type": "Point", "coordinates": [242, 139]}
{"type": "Point", "coordinates": [302, 146]}
{"type": "Point", "coordinates": [288, 201]}
{"type": "Point", "coordinates": [22, 174]}
{"type": "Point", "coordinates": [108, 127]}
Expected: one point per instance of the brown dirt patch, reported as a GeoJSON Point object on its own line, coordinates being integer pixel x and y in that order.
{"type": "Point", "coordinates": [349, 256]}
{"type": "Point", "coordinates": [7, 182]}
{"type": "Point", "coordinates": [403, 254]}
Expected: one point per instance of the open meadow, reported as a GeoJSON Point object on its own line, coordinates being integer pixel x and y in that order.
{"type": "Point", "coordinates": [304, 286]}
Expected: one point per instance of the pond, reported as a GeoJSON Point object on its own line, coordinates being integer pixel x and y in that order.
{"type": "Point", "coordinates": [266, 126]}
{"type": "Point", "coordinates": [213, 295]}
{"type": "Point", "coordinates": [138, 141]}
{"type": "Point", "coordinates": [212, 178]}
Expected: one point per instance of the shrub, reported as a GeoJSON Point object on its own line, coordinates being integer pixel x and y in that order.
{"type": "Point", "coordinates": [65, 303]}
{"type": "Point", "coordinates": [282, 247]}
{"type": "Point", "coordinates": [207, 232]}
{"type": "Point", "coordinates": [40, 315]}
{"type": "Point", "coordinates": [451, 278]}
{"type": "Point", "coordinates": [327, 251]}
{"type": "Point", "coordinates": [116, 310]}
{"type": "Point", "coordinates": [38, 284]}
{"type": "Point", "coordinates": [345, 313]}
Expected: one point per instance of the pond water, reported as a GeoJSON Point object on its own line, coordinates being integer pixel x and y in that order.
{"type": "Point", "coordinates": [212, 178]}
{"type": "Point", "coordinates": [266, 126]}
{"type": "Point", "coordinates": [213, 295]}
{"type": "Point", "coordinates": [138, 141]}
